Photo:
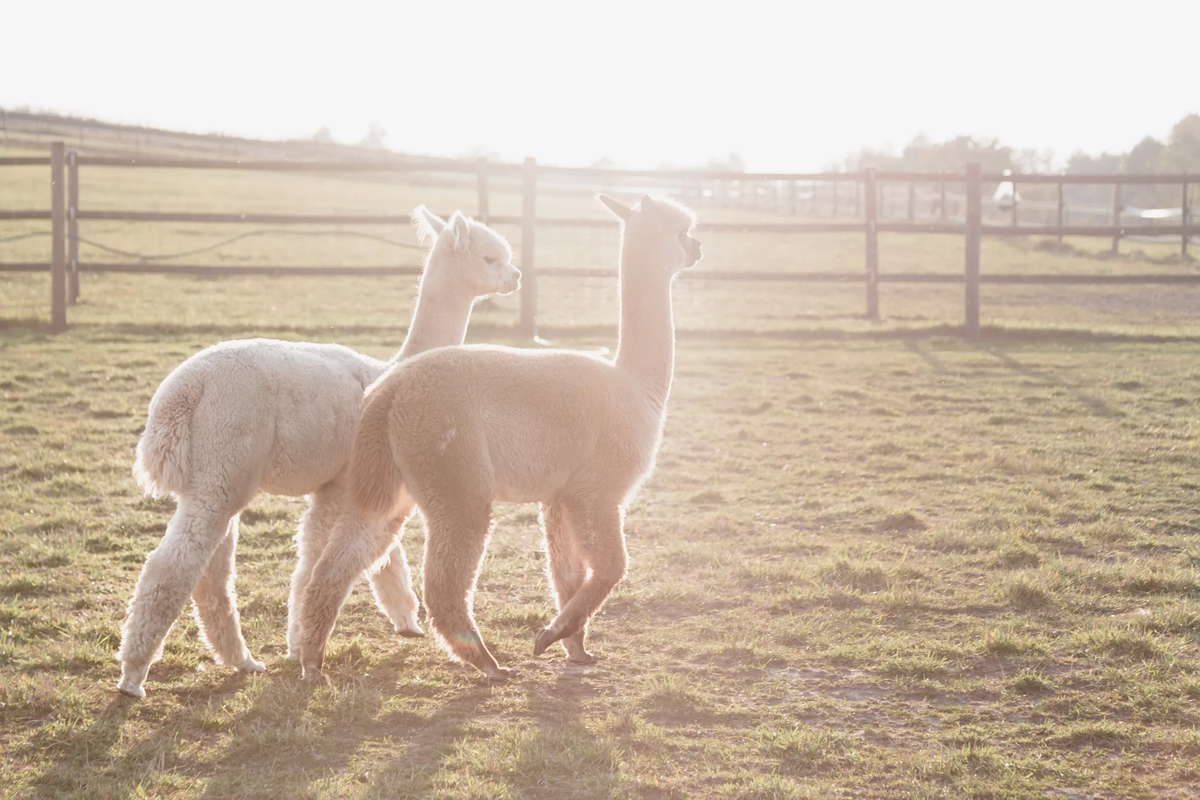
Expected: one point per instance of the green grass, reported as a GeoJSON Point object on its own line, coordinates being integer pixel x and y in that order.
{"type": "Point", "coordinates": [846, 580]}
{"type": "Point", "coordinates": [874, 561]}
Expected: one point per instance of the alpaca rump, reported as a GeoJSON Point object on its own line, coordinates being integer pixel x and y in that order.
{"type": "Point", "coordinates": [455, 429]}
{"type": "Point", "coordinates": [263, 415]}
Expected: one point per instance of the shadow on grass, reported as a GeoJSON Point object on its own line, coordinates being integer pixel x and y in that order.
{"type": "Point", "coordinates": [82, 765]}
{"type": "Point", "coordinates": [294, 740]}
{"type": "Point", "coordinates": [296, 737]}
{"type": "Point", "coordinates": [277, 749]}
{"type": "Point", "coordinates": [548, 749]}
{"type": "Point", "coordinates": [1094, 405]}
{"type": "Point", "coordinates": [430, 743]}
{"type": "Point", "coordinates": [936, 364]}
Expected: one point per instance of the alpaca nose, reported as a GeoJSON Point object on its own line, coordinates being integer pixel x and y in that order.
{"type": "Point", "coordinates": [512, 280]}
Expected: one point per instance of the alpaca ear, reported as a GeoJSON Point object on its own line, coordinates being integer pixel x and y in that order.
{"type": "Point", "coordinates": [460, 231]}
{"type": "Point", "coordinates": [616, 206]}
{"type": "Point", "coordinates": [429, 225]}
{"type": "Point", "coordinates": [648, 204]}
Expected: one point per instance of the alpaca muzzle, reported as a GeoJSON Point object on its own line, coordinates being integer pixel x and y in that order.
{"type": "Point", "coordinates": [693, 253]}
{"type": "Point", "coordinates": [512, 281]}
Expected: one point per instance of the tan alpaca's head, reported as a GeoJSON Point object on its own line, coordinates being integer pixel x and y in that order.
{"type": "Point", "coordinates": [662, 224]}
{"type": "Point", "coordinates": [465, 253]}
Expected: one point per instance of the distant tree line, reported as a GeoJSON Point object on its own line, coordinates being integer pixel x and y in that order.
{"type": "Point", "coordinates": [1180, 153]}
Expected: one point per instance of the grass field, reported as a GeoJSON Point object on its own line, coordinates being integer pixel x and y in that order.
{"type": "Point", "coordinates": [874, 561]}
{"type": "Point", "coordinates": [897, 567]}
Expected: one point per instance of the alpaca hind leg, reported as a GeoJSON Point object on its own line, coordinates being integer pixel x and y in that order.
{"type": "Point", "coordinates": [168, 579]}
{"type": "Point", "coordinates": [312, 536]}
{"type": "Point", "coordinates": [455, 542]}
{"type": "Point", "coordinates": [598, 535]}
{"type": "Point", "coordinates": [391, 584]}
{"type": "Point", "coordinates": [354, 545]}
{"type": "Point", "coordinates": [566, 572]}
{"type": "Point", "coordinates": [215, 600]}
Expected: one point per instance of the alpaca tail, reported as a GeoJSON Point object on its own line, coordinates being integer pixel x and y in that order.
{"type": "Point", "coordinates": [375, 478]}
{"type": "Point", "coordinates": [163, 464]}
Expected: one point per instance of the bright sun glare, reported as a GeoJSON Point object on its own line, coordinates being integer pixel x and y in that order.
{"type": "Point", "coordinates": [788, 86]}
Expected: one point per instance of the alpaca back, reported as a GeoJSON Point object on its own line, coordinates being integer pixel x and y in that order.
{"type": "Point", "coordinates": [527, 423]}
{"type": "Point", "coordinates": [257, 409]}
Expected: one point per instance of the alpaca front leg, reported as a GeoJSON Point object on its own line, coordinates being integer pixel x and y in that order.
{"type": "Point", "coordinates": [215, 600]}
{"type": "Point", "coordinates": [601, 543]}
{"type": "Point", "coordinates": [454, 549]}
{"type": "Point", "coordinates": [392, 587]}
{"type": "Point", "coordinates": [355, 544]}
{"type": "Point", "coordinates": [168, 579]}
{"type": "Point", "coordinates": [566, 572]}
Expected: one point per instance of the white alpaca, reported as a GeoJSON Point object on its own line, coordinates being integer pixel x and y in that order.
{"type": "Point", "coordinates": [273, 416]}
{"type": "Point", "coordinates": [457, 428]}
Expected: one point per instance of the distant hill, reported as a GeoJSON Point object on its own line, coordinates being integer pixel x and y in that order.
{"type": "Point", "coordinates": [23, 130]}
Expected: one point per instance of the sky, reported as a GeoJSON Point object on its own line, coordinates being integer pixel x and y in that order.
{"type": "Point", "coordinates": [790, 86]}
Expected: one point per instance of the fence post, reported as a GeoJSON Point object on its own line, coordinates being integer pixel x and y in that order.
{"type": "Point", "coordinates": [482, 184]}
{"type": "Point", "coordinates": [792, 189]}
{"type": "Point", "coordinates": [943, 200]}
{"type": "Point", "coordinates": [1116, 242]}
{"type": "Point", "coordinates": [974, 236]}
{"type": "Point", "coordinates": [834, 203]}
{"type": "Point", "coordinates": [1183, 218]}
{"type": "Point", "coordinates": [872, 245]}
{"type": "Point", "coordinates": [1061, 207]}
{"type": "Point", "coordinates": [528, 227]}
{"type": "Point", "coordinates": [912, 201]}
{"type": "Point", "coordinates": [58, 231]}
{"type": "Point", "coordinates": [73, 226]}
{"type": "Point", "coordinates": [1015, 222]}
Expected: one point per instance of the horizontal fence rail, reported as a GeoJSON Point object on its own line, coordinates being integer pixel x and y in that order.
{"type": "Point", "coordinates": [868, 200]}
{"type": "Point", "coordinates": [382, 165]}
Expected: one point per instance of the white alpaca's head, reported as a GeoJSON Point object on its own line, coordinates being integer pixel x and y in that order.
{"type": "Point", "coordinates": [660, 227]}
{"type": "Point", "coordinates": [465, 253]}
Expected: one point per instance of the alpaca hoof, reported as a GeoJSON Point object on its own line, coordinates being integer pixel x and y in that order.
{"type": "Point", "coordinates": [499, 673]}
{"type": "Point", "coordinates": [312, 674]}
{"type": "Point", "coordinates": [413, 632]}
{"type": "Point", "coordinates": [251, 665]}
{"type": "Point", "coordinates": [131, 690]}
{"type": "Point", "coordinates": [582, 659]}
{"type": "Point", "coordinates": [547, 637]}
{"type": "Point", "coordinates": [131, 681]}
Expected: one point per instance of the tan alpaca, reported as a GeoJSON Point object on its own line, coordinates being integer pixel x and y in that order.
{"type": "Point", "coordinates": [457, 428]}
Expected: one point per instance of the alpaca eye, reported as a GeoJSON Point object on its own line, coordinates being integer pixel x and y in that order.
{"type": "Point", "coordinates": [489, 260]}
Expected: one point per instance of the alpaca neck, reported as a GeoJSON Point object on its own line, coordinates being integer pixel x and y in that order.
{"type": "Point", "coordinates": [646, 345]}
{"type": "Point", "coordinates": [439, 320]}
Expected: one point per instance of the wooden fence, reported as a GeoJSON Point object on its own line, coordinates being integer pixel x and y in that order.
{"type": "Point", "coordinates": [65, 215]}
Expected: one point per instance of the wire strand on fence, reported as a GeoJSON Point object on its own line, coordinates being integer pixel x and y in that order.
{"type": "Point", "coordinates": [21, 236]}
{"type": "Point", "coordinates": [218, 245]}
